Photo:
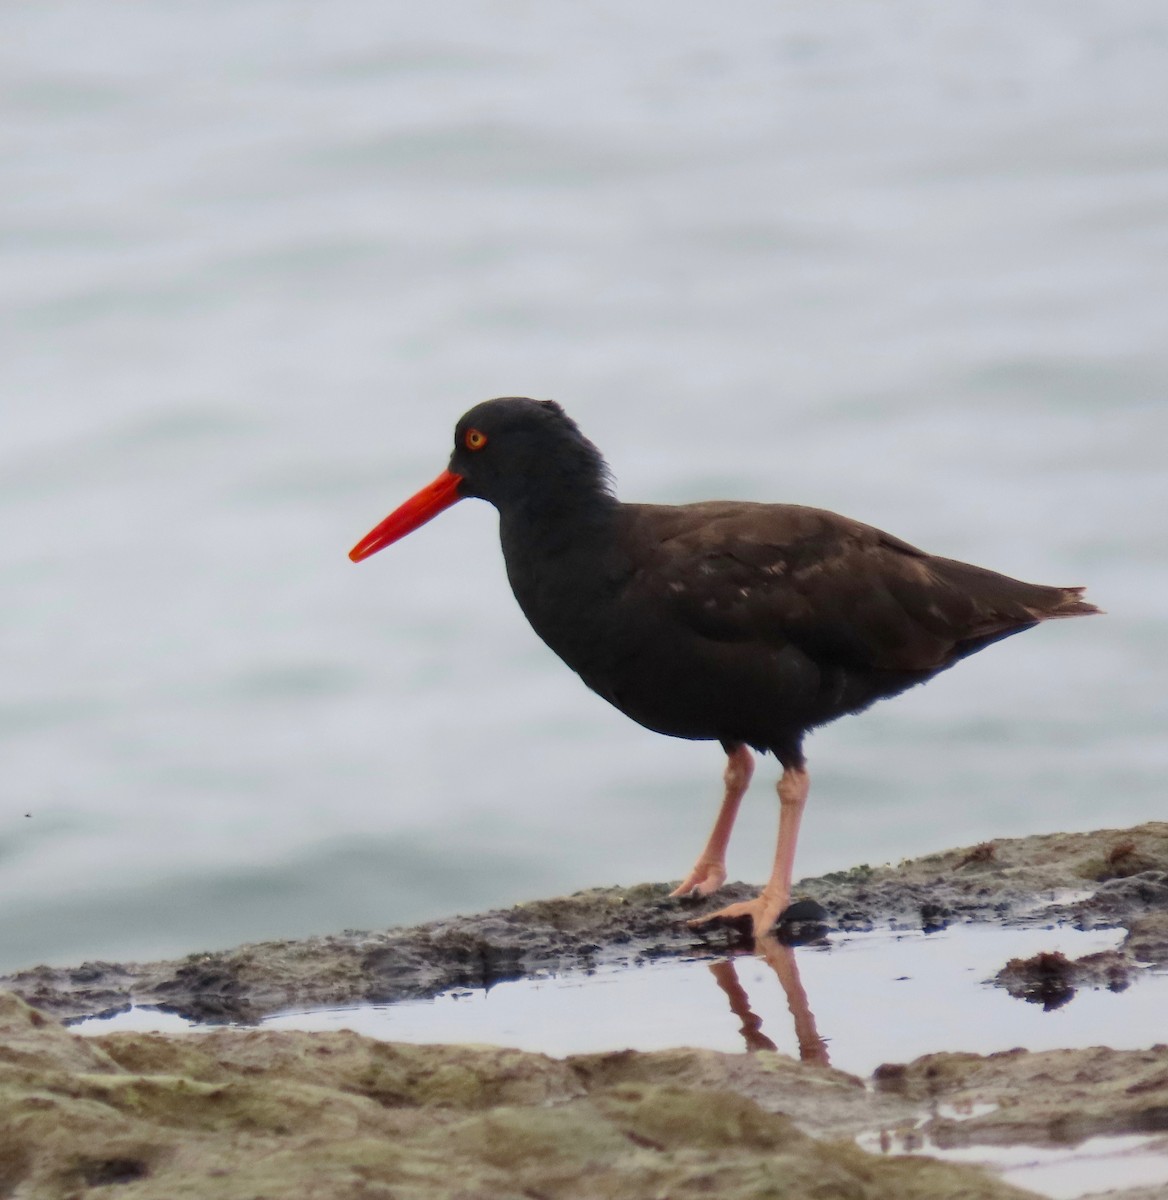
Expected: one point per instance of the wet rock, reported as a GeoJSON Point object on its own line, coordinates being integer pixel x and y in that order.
{"type": "Point", "coordinates": [1020, 881]}
{"type": "Point", "coordinates": [934, 917]}
{"type": "Point", "coordinates": [1147, 939]}
{"type": "Point", "coordinates": [241, 1113]}
{"type": "Point", "coordinates": [1053, 1097]}
{"type": "Point", "coordinates": [1050, 978]}
{"type": "Point", "coordinates": [1045, 978]}
{"type": "Point", "coordinates": [823, 1100]}
{"type": "Point", "coordinates": [1118, 900]}
{"type": "Point", "coordinates": [805, 911]}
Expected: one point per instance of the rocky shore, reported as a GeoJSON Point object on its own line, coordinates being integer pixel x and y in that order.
{"type": "Point", "coordinates": [244, 1112]}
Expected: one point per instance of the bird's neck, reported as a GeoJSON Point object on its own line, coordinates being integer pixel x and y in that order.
{"type": "Point", "coordinates": [555, 520]}
{"type": "Point", "coordinates": [560, 559]}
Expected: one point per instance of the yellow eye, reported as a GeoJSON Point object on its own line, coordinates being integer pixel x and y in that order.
{"type": "Point", "coordinates": [475, 440]}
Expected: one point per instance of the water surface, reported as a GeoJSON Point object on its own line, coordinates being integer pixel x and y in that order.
{"type": "Point", "coordinates": [905, 263]}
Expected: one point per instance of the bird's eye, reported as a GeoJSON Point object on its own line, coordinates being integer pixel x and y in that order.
{"type": "Point", "coordinates": [475, 439]}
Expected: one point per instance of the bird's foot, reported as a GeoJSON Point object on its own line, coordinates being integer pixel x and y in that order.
{"type": "Point", "coordinates": [763, 912]}
{"type": "Point", "coordinates": [705, 879]}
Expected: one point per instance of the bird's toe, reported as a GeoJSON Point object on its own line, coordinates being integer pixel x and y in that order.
{"type": "Point", "coordinates": [762, 912]}
{"type": "Point", "coordinates": [704, 880]}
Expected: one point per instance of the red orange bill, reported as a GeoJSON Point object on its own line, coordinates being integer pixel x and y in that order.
{"type": "Point", "coordinates": [416, 511]}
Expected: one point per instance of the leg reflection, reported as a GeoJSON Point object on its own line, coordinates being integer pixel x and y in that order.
{"type": "Point", "coordinates": [781, 960]}
{"type": "Point", "coordinates": [727, 978]}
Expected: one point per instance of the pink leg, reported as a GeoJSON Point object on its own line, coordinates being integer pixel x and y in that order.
{"type": "Point", "coordinates": [709, 872]}
{"type": "Point", "coordinates": [768, 906]}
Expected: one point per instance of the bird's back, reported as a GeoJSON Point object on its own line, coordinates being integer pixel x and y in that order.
{"type": "Point", "coordinates": [755, 622]}
{"type": "Point", "coordinates": [842, 591]}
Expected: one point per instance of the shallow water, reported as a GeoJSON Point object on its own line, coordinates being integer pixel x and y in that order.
{"type": "Point", "coordinates": [1097, 1165]}
{"type": "Point", "coordinates": [854, 1001]}
{"type": "Point", "coordinates": [873, 998]}
{"type": "Point", "coordinates": [255, 260]}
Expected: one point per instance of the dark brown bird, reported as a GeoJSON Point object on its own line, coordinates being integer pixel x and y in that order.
{"type": "Point", "coordinates": [745, 624]}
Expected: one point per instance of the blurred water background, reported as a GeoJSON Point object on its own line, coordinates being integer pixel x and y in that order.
{"type": "Point", "coordinates": [907, 261]}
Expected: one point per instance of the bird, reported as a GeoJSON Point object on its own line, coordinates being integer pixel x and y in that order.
{"type": "Point", "coordinates": [745, 623]}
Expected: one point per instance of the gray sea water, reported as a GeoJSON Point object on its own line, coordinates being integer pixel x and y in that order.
{"type": "Point", "coordinates": [904, 260]}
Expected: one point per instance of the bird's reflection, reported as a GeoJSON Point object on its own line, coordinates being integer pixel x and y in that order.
{"type": "Point", "coordinates": [781, 960]}
{"type": "Point", "coordinates": [726, 975]}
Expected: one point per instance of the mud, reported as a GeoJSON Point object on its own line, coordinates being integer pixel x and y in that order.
{"type": "Point", "coordinates": [1109, 878]}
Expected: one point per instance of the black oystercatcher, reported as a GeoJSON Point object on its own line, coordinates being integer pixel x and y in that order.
{"type": "Point", "coordinates": [746, 624]}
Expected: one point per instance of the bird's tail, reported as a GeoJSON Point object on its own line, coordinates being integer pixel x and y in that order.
{"type": "Point", "coordinates": [1067, 602]}
{"type": "Point", "coordinates": [1003, 602]}
{"type": "Point", "coordinates": [1002, 606]}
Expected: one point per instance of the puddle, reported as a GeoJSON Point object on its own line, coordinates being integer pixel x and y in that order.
{"type": "Point", "coordinates": [870, 998]}
{"type": "Point", "coordinates": [1059, 1172]}
{"type": "Point", "coordinates": [855, 1000]}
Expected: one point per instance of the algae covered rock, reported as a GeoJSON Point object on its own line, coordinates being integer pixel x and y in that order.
{"type": "Point", "coordinates": [243, 1114]}
{"type": "Point", "coordinates": [1046, 1097]}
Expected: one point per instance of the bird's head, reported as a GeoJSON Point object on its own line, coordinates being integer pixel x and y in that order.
{"type": "Point", "coordinates": [512, 451]}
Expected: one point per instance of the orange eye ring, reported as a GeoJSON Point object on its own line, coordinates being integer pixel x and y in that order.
{"type": "Point", "coordinates": [475, 439]}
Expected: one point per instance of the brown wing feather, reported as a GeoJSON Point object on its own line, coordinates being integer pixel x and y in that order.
{"type": "Point", "coordinates": [841, 591]}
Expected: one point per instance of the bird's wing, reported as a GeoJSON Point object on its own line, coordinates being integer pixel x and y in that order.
{"type": "Point", "coordinates": [841, 591]}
